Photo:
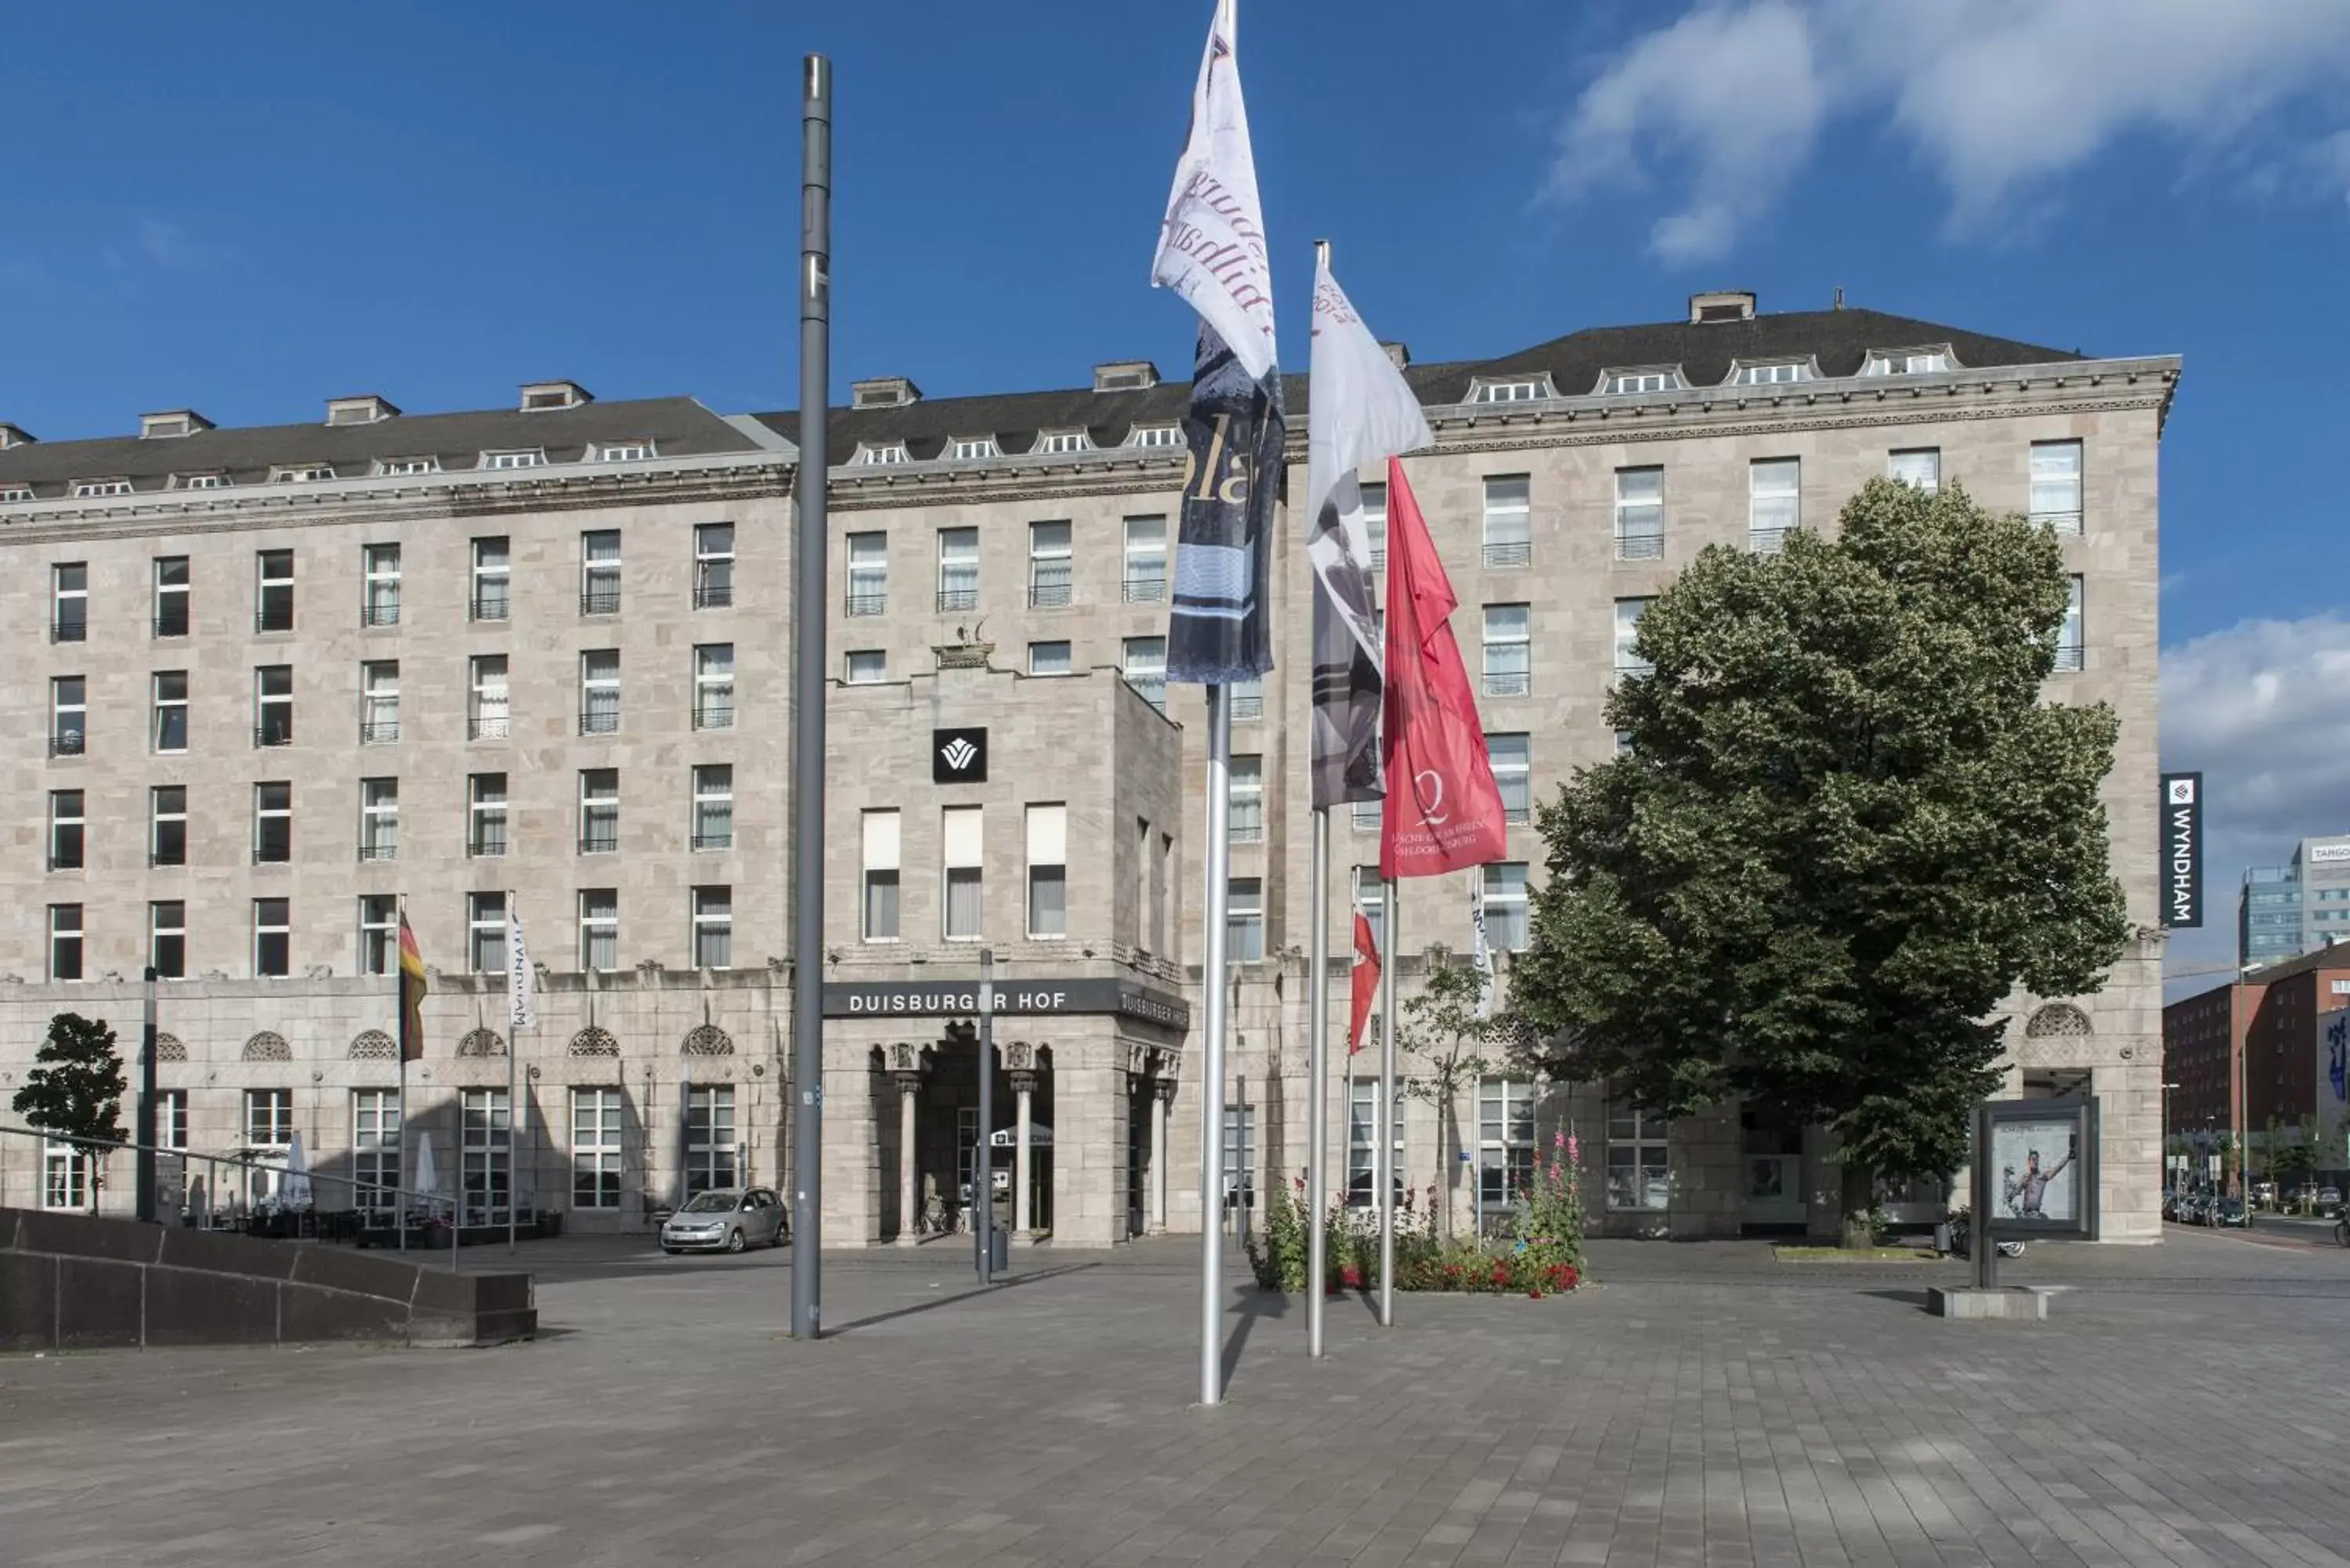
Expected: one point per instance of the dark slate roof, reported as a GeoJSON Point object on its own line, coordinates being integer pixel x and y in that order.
{"type": "Point", "coordinates": [1838, 339]}
{"type": "Point", "coordinates": [678, 427]}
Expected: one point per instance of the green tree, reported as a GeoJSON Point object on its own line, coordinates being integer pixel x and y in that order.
{"type": "Point", "coordinates": [1441, 1026]}
{"type": "Point", "coordinates": [75, 1089]}
{"type": "Point", "coordinates": [1848, 827]}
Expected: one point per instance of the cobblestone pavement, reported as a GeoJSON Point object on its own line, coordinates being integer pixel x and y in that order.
{"type": "Point", "coordinates": [1703, 1405]}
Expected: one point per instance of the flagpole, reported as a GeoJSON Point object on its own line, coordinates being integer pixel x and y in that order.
{"type": "Point", "coordinates": [515, 954]}
{"type": "Point", "coordinates": [1212, 1067]}
{"type": "Point", "coordinates": [1386, 1179]}
{"type": "Point", "coordinates": [399, 1032]}
{"type": "Point", "coordinates": [1318, 1043]}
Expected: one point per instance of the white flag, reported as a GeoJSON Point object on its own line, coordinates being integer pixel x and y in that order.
{"type": "Point", "coordinates": [1212, 246]}
{"type": "Point", "coordinates": [522, 985]}
{"type": "Point", "coordinates": [1480, 953]}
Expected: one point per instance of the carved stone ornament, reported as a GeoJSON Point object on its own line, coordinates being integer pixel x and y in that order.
{"type": "Point", "coordinates": [905, 1057]}
{"type": "Point", "coordinates": [482, 1043]}
{"type": "Point", "coordinates": [2057, 1019]}
{"type": "Point", "coordinates": [170, 1048]}
{"type": "Point", "coordinates": [373, 1045]}
{"type": "Point", "coordinates": [1024, 1080]}
{"type": "Point", "coordinates": [268, 1046]}
{"type": "Point", "coordinates": [1165, 1089]}
{"type": "Point", "coordinates": [709, 1040]}
{"type": "Point", "coordinates": [595, 1041]}
{"type": "Point", "coordinates": [1020, 1057]}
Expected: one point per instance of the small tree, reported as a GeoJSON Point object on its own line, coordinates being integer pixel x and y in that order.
{"type": "Point", "coordinates": [1441, 1026]}
{"type": "Point", "coordinates": [75, 1090]}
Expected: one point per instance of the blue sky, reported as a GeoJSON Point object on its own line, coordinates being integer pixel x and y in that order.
{"type": "Point", "coordinates": [251, 208]}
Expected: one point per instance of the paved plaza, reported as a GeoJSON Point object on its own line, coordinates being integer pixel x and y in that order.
{"type": "Point", "coordinates": [1703, 1404]}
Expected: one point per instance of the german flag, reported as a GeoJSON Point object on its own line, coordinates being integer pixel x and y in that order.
{"type": "Point", "coordinates": [411, 994]}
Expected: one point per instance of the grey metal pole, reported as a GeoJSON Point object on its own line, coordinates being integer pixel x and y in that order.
{"type": "Point", "coordinates": [982, 1157]}
{"type": "Point", "coordinates": [1317, 1075]}
{"type": "Point", "coordinates": [1218, 909]}
{"type": "Point", "coordinates": [407, 1172]}
{"type": "Point", "coordinates": [144, 1122]}
{"type": "Point", "coordinates": [1386, 1178]}
{"type": "Point", "coordinates": [808, 610]}
{"type": "Point", "coordinates": [1986, 1250]}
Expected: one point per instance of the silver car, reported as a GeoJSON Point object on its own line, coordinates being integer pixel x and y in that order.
{"type": "Point", "coordinates": [727, 1220]}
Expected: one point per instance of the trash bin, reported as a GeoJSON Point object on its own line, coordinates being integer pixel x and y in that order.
{"type": "Point", "coordinates": [999, 1250]}
{"type": "Point", "coordinates": [1942, 1236]}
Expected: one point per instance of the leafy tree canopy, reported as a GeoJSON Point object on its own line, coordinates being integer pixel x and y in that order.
{"type": "Point", "coordinates": [75, 1089]}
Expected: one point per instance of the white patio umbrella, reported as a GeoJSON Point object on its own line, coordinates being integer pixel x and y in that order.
{"type": "Point", "coordinates": [294, 1186]}
{"type": "Point", "coordinates": [428, 1178]}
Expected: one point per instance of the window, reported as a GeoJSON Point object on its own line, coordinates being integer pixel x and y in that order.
{"type": "Point", "coordinates": [269, 1118]}
{"type": "Point", "coordinates": [1509, 536]}
{"type": "Point", "coordinates": [714, 686]}
{"type": "Point", "coordinates": [875, 456]}
{"type": "Point", "coordinates": [1155, 435]}
{"type": "Point", "coordinates": [488, 1146]}
{"type": "Point", "coordinates": [596, 1148]}
{"type": "Point", "coordinates": [167, 826]}
{"type": "Point", "coordinates": [273, 591]}
{"type": "Point", "coordinates": [1639, 514]}
{"type": "Point", "coordinates": [713, 565]}
{"type": "Point", "coordinates": [1248, 698]}
{"type": "Point", "coordinates": [1513, 759]}
{"type": "Point", "coordinates": [1508, 650]}
{"type": "Point", "coordinates": [167, 939]}
{"type": "Point", "coordinates": [623, 451]}
{"type": "Point", "coordinates": [2056, 485]}
{"type": "Point", "coordinates": [171, 1119]}
{"type": "Point", "coordinates": [1371, 898]}
{"type": "Point", "coordinates": [958, 569]}
{"type": "Point", "coordinates": [405, 465]}
{"type": "Point", "coordinates": [379, 701]}
{"type": "Point", "coordinates": [714, 805]}
{"type": "Point", "coordinates": [65, 941]}
{"type": "Point", "coordinates": [170, 595]}
{"type": "Point", "coordinates": [1244, 817]}
{"type": "Point", "coordinates": [1920, 466]}
{"type": "Point", "coordinates": [273, 823]}
{"type": "Point", "coordinates": [379, 933]}
{"type": "Point", "coordinates": [273, 705]}
{"type": "Point", "coordinates": [1048, 658]}
{"type": "Point", "coordinates": [69, 602]}
{"type": "Point", "coordinates": [963, 837]}
{"type": "Point", "coordinates": [490, 713]}
{"type": "Point", "coordinates": [1375, 522]}
{"type": "Point", "coordinates": [1239, 1154]}
{"type": "Point", "coordinates": [1050, 568]}
{"type": "Point", "coordinates": [1906, 362]}
{"type": "Point", "coordinates": [485, 932]}
{"type": "Point", "coordinates": [492, 580]}
{"type": "Point", "coordinates": [88, 489]}
{"type": "Point", "coordinates": [301, 472]}
{"type": "Point", "coordinates": [532, 458]}
{"type": "Point", "coordinates": [1362, 1141]}
{"type": "Point", "coordinates": [1063, 440]}
{"type": "Point", "coordinates": [713, 928]}
{"type": "Point", "coordinates": [485, 814]}
{"type": "Point", "coordinates": [1145, 669]}
{"type": "Point", "coordinates": [1505, 1143]}
{"type": "Point", "coordinates": [273, 939]}
{"type": "Point", "coordinates": [1048, 872]}
{"type": "Point", "coordinates": [1628, 633]}
{"type": "Point", "coordinates": [1244, 925]}
{"type": "Point", "coordinates": [64, 1175]}
{"type": "Point", "coordinates": [375, 1148]}
{"type": "Point", "coordinates": [2072, 652]}
{"type": "Point", "coordinates": [1773, 502]}
{"type": "Point", "coordinates": [1505, 906]}
{"type": "Point", "coordinates": [868, 574]}
{"type": "Point", "coordinates": [599, 691]}
{"type": "Point", "coordinates": [379, 819]}
{"type": "Point", "coordinates": [879, 875]}
{"type": "Point", "coordinates": [866, 666]}
{"type": "Point", "coordinates": [709, 1138]}
{"type": "Point", "coordinates": [9, 493]}
{"type": "Point", "coordinates": [600, 928]}
{"type": "Point", "coordinates": [1625, 383]}
{"type": "Point", "coordinates": [69, 716]}
{"type": "Point", "coordinates": [970, 448]}
{"type": "Point", "coordinates": [1781, 374]}
{"type": "Point", "coordinates": [65, 829]}
{"type": "Point", "coordinates": [379, 585]}
{"type": "Point", "coordinates": [1510, 392]}
{"type": "Point", "coordinates": [599, 811]}
{"type": "Point", "coordinates": [1640, 1159]}
{"type": "Point", "coordinates": [599, 572]}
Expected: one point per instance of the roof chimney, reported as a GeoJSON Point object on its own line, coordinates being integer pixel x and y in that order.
{"type": "Point", "coordinates": [14, 435]}
{"type": "Point", "coordinates": [367, 409]}
{"type": "Point", "coordinates": [883, 392]}
{"type": "Point", "coordinates": [171, 422]}
{"type": "Point", "coordinates": [1728, 304]}
{"type": "Point", "coordinates": [1399, 355]}
{"type": "Point", "coordinates": [538, 395]}
{"type": "Point", "coordinates": [1125, 375]}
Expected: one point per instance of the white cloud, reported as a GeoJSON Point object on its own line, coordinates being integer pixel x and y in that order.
{"type": "Point", "coordinates": [2001, 97]}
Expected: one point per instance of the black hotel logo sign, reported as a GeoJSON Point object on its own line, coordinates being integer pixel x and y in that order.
{"type": "Point", "coordinates": [959, 756]}
{"type": "Point", "coordinates": [2182, 849]}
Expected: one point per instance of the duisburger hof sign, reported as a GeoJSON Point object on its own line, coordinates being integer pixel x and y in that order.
{"type": "Point", "coordinates": [1014, 998]}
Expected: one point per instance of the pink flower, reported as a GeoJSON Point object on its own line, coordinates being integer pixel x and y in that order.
{"type": "Point", "coordinates": [1573, 1154]}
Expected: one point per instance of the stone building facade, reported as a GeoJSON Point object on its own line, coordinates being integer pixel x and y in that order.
{"type": "Point", "coordinates": [1000, 563]}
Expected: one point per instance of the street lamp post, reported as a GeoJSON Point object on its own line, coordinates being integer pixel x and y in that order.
{"type": "Point", "coordinates": [2166, 1168]}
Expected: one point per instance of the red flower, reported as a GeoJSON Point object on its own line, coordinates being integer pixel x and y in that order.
{"type": "Point", "coordinates": [1534, 1294]}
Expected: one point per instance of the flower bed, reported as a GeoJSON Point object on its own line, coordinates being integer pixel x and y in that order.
{"type": "Point", "coordinates": [1543, 1254]}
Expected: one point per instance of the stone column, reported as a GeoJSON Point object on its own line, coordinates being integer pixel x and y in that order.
{"type": "Point", "coordinates": [908, 1084]}
{"type": "Point", "coordinates": [1162, 1091]}
{"type": "Point", "coordinates": [1023, 1088]}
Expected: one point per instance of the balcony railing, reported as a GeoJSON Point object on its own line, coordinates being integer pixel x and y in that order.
{"type": "Point", "coordinates": [1248, 706]}
{"type": "Point", "coordinates": [489, 727]}
{"type": "Point", "coordinates": [273, 617]}
{"type": "Point", "coordinates": [484, 848]}
{"type": "Point", "coordinates": [1149, 590]}
{"type": "Point", "coordinates": [273, 854]}
{"type": "Point", "coordinates": [714, 716]}
{"type": "Point", "coordinates": [160, 858]}
{"type": "Point", "coordinates": [2066, 525]}
{"type": "Point", "coordinates": [599, 841]}
{"type": "Point", "coordinates": [1767, 541]}
{"type": "Point", "coordinates": [383, 614]}
{"type": "Point", "coordinates": [2071, 657]}
{"type": "Point", "coordinates": [1502, 553]}
{"type": "Point", "coordinates": [378, 851]}
{"type": "Point", "coordinates": [382, 734]}
{"type": "Point", "coordinates": [66, 743]}
{"type": "Point", "coordinates": [1517, 815]}
{"type": "Point", "coordinates": [600, 601]}
{"type": "Point", "coordinates": [593, 721]}
{"type": "Point", "coordinates": [714, 840]}
{"type": "Point", "coordinates": [171, 623]}
{"type": "Point", "coordinates": [1251, 831]}
{"type": "Point", "coordinates": [70, 628]}
{"type": "Point", "coordinates": [867, 603]}
{"type": "Point", "coordinates": [1508, 683]}
{"type": "Point", "coordinates": [65, 862]}
{"type": "Point", "coordinates": [1048, 595]}
{"type": "Point", "coordinates": [958, 599]}
{"type": "Point", "coordinates": [1639, 546]}
{"type": "Point", "coordinates": [1151, 689]}
{"type": "Point", "coordinates": [273, 734]}
{"type": "Point", "coordinates": [717, 596]}
{"type": "Point", "coordinates": [489, 607]}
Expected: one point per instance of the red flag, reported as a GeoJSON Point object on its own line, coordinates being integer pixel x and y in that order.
{"type": "Point", "coordinates": [1365, 979]}
{"type": "Point", "coordinates": [1443, 810]}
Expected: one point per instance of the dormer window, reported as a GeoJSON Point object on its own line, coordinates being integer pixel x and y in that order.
{"type": "Point", "coordinates": [1907, 361]}
{"type": "Point", "coordinates": [542, 396]}
{"type": "Point", "coordinates": [200, 481]}
{"type": "Point", "coordinates": [624, 451]}
{"type": "Point", "coordinates": [84, 489]}
{"type": "Point", "coordinates": [883, 392]}
{"type": "Point", "coordinates": [1778, 375]}
{"type": "Point", "coordinates": [175, 423]}
{"type": "Point", "coordinates": [1156, 435]}
{"type": "Point", "coordinates": [1632, 383]}
{"type": "Point", "coordinates": [531, 457]}
{"type": "Point", "coordinates": [875, 456]}
{"type": "Point", "coordinates": [407, 465]}
{"type": "Point", "coordinates": [1521, 391]}
{"type": "Point", "coordinates": [301, 472]}
{"type": "Point", "coordinates": [970, 448]}
{"type": "Point", "coordinates": [366, 409]}
{"type": "Point", "coordinates": [1064, 440]}
{"type": "Point", "coordinates": [16, 493]}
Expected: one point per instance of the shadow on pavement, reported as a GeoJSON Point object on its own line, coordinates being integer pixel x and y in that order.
{"type": "Point", "coordinates": [1014, 1282]}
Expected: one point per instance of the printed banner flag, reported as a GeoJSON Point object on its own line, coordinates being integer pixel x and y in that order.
{"type": "Point", "coordinates": [1481, 953]}
{"type": "Point", "coordinates": [1444, 813]}
{"type": "Point", "coordinates": [1211, 247]}
{"type": "Point", "coordinates": [522, 986]}
{"type": "Point", "coordinates": [411, 994]}
{"type": "Point", "coordinates": [1361, 410]}
{"type": "Point", "coordinates": [1363, 979]}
